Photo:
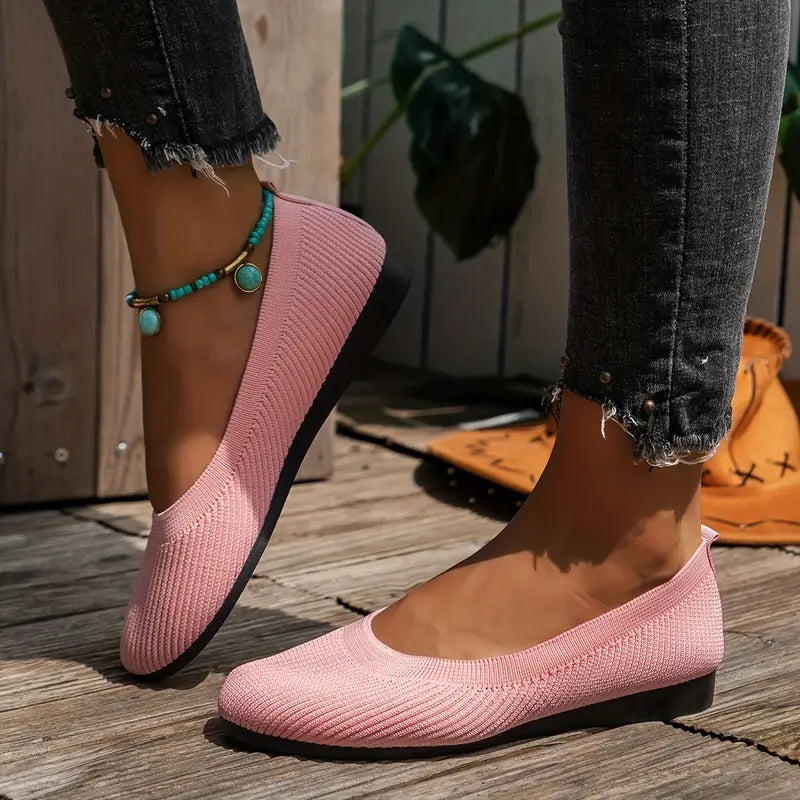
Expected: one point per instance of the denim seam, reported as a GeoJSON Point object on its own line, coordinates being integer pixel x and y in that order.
{"type": "Point", "coordinates": [168, 66]}
{"type": "Point", "coordinates": [684, 211]}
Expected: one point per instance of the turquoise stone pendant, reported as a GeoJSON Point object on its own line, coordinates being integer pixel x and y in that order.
{"type": "Point", "coordinates": [149, 321]}
{"type": "Point", "coordinates": [247, 277]}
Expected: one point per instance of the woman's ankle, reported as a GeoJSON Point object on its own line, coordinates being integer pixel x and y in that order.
{"type": "Point", "coordinates": [595, 510]}
{"type": "Point", "coordinates": [179, 224]}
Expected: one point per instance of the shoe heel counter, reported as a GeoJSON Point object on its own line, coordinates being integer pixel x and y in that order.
{"type": "Point", "coordinates": [707, 624]}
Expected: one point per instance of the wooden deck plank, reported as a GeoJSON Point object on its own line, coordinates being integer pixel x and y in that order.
{"type": "Point", "coordinates": [757, 696]}
{"type": "Point", "coordinates": [169, 746]}
{"type": "Point", "coordinates": [73, 724]}
{"type": "Point", "coordinates": [32, 543]}
{"type": "Point", "coordinates": [408, 408]}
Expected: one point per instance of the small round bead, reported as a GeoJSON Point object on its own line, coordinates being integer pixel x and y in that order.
{"type": "Point", "coordinates": [220, 273]}
{"type": "Point", "coordinates": [163, 298]}
{"type": "Point", "coordinates": [173, 295]}
{"type": "Point", "coordinates": [130, 297]}
{"type": "Point", "coordinates": [106, 93]}
{"type": "Point", "coordinates": [187, 289]}
{"type": "Point", "coordinates": [151, 118]}
{"type": "Point", "coordinates": [212, 277]}
{"type": "Point", "coordinates": [604, 378]}
{"type": "Point", "coordinates": [649, 406]}
{"type": "Point", "coordinates": [179, 292]}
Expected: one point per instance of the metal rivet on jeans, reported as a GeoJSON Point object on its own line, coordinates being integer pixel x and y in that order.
{"type": "Point", "coordinates": [649, 406]}
{"type": "Point", "coordinates": [151, 119]}
{"type": "Point", "coordinates": [604, 378]}
{"type": "Point", "coordinates": [70, 92]}
{"type": "Point", "coordinates": [61, 455]}
{"type": "Point", "coordinates": [564, 361]}
{"type": "Point", "coordinates": [122, 448]}
{"type": "Point", "coordinates": [105, 93]}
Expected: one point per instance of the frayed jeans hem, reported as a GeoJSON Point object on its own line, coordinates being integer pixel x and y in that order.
{"type": "Point", "coordinates": [202, 158]}
{"type": "Point", "coordinates": [657, 451]}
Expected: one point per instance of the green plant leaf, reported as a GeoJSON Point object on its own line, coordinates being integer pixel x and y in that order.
{"type": "Point", "coordinates": [471, 150]}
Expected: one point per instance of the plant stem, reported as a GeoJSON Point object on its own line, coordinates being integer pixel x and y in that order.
{"type": "Point", "coordinates": [350, 166]}
{"type": "Point", "coordinates": [365, 84]}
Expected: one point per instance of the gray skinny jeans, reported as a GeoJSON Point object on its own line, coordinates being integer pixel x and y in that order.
{"type": "Point", "coordinates": [672, 117]}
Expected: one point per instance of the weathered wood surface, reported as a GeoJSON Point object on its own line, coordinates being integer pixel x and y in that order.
{"type": "Point", "coordinates": [73, 725]}
{"type": "Point", "coordinates": [408, 408]}
{"type": "Point", "coordinates": [48, 270]}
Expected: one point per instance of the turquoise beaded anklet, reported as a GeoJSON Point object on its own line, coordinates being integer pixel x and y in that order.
{"type": "Point", "coordinates": [246, 276]}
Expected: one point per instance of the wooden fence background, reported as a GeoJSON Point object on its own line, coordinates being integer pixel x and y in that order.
{"type": "Point", "coordinates": [503, 312]}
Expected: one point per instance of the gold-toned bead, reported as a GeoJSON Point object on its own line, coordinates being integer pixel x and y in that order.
{"type": "Point", "coordinates": [649, 406]}
{"type": "Point", "coordinates": [604, 378]}
{"type": "Point", "coordinates": [106, 93]}
{"type": "Point", "coordinates": [151, 118]}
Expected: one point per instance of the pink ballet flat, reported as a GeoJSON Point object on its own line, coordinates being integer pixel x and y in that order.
{"type": "Point", "coordinates": [328, 298]}
{"type": "Point", "coordinates": [347, 695]}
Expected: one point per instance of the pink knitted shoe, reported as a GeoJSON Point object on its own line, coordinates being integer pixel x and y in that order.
{"type": "Point", "coordinates": [327, 300]}
{"type": "Point", "coordinates": [348, 695]}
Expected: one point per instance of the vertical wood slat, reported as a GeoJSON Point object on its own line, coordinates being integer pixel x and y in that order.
{"type": "Point", "coordinates": [389, 186]}
{"type": "Point", "coordinates": [296, 54]}
{"type": "Point", "coordinates": [466, 297]}
{"type": "Point", "coordinates": [355, 66]}
{"type": "Point", "coordinates": [765, 295]}
{"type": "Point", "coordinates": [120, 444]}
{"type": "Point", "coordinates": [48, 270]}
{"type": "Point", "coordinates": [791, 298]}
{"type": "Point", "coordinates": [539, 275]}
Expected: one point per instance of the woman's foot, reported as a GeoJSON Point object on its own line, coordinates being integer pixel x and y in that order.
{"type": "Point", "coordinates": [348, 695]}
{"type": "Point", "coordinates": [596, 532]}
{"type": "Point", "coordinates": [235, 386]}
{"type": "Point", "coordinates": [597, 605]}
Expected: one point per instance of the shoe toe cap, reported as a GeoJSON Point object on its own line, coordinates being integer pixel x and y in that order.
{"type": "Point", "coordinates": [181, 587]}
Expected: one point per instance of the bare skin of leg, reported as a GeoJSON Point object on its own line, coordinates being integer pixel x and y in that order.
{"type": "Point", "coordinates": [178, 227]}
{"type": "Point", "coordinates": [597, 531]}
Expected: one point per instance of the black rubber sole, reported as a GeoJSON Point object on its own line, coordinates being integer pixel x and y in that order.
{"type": "Point", "coordinates": [388, 293]}
{"type": "Point", "coordinates": [653, 706]}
